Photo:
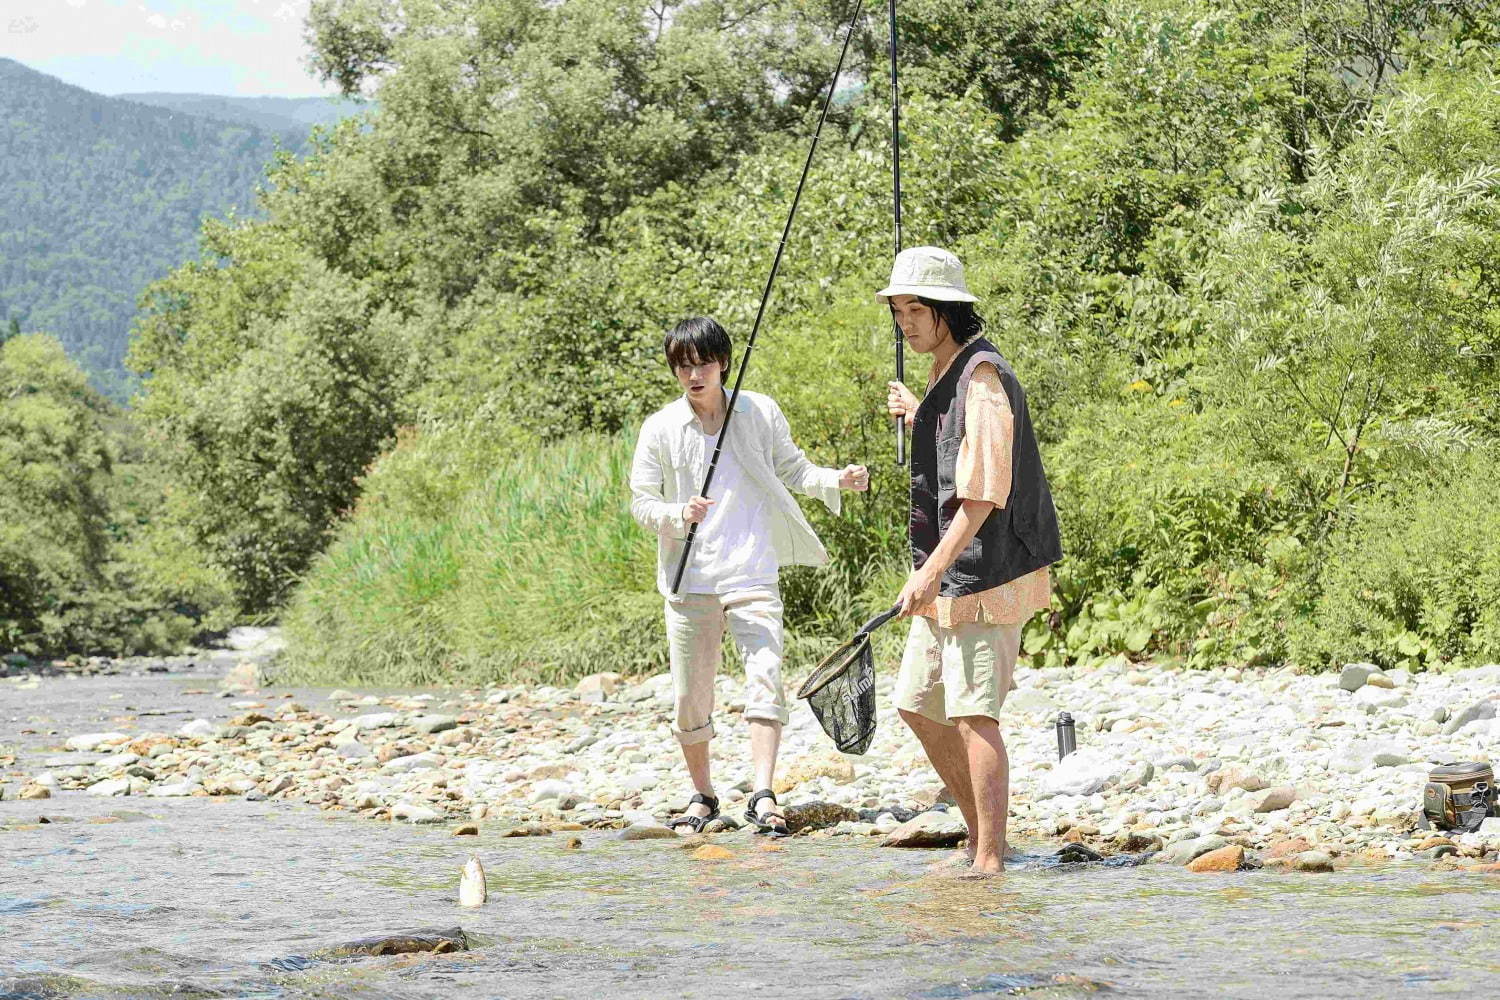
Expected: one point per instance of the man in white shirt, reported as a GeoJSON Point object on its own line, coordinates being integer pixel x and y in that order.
{"type": "Point", "coordinates": [746, 533]}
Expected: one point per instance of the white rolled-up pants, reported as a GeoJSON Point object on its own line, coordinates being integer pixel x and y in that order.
{"type": "Point", "coordinates": [695, 636]}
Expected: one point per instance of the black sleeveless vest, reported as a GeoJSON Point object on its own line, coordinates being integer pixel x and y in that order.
{"type": "Point", "coordinates": [1015, 539]}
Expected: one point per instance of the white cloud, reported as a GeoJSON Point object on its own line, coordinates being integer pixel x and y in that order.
{"type": "Point", "coordinates": [124, 46]}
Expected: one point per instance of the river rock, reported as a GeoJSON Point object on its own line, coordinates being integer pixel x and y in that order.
{"type": "Point", "coordinates": [835, 768]}
{"type": "Point", "coordinates": [1372, 699]}
{"type": "Point", "coordinates": [598, 687]}
{"type": "Point", "coordinates": [1355, 675]}
{"type": "Point", "coordinates": [1184, 851]}
{"type": "Point", "coordinates": [353, 750]}
{"type": "Point", "coordinates": [817, 815]}
{"type": "Point", "coordinates": [31, 790]}
{"type": "Point", "coordinates": [928, 829]}
{"type": "Point", "coordinates": [376, 720]}
{"type": "Point", "coordinates": [1474, 713]}
{"type": "Point", "coordinates": [1136, 776]}
{"type": "Point", "coordinates": [431, 724]}
{"type": "Point", "coordinates": [1030, 701]}
{"type": "Point", "coordinates": [712, 852]}
{"type": "Point", "coordinates": [197, 729]}
{"type": "Point", "coordinates": [88, 742]}
{"type": "Point", "coordinates": [721, 824]}
{"type": "Point", "coordinates": [411, 762]}
{"type": "Point", "coordinates": [1082, 772]}
{"type": "Point", "coordinates": [551, 788]}
{"type": "Point", "coordinates": [1225, 780]}
{"type": "Point", "coordinates": [414, 812]}
{"type": "Point", "coordinates": [1287, 848]}
{"type": "Point", "coordinates": [1224, 859]}
{"type": "Point", "coordinates": [1273, 799]}
{"type": "Point", "coordinates": [406, 943]}
{"type": "Point", "coordinates": [110, 787]}
{"type": "Point", "coordinates": [1362, 755]}
{"type": "Point", "coordinates": [173, 790]}
{"type": "Point", "coordinates": [526, 830]}
{"type": "Point", "coordinates": [1312, 861]}
{"type": "Point", "coordinates": [646, 831]}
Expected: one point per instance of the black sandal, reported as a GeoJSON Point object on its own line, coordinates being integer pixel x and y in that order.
{"type": "Point", "coordinates": [771, 827]}
{"type": "Point", "coordinates": [696, 823]}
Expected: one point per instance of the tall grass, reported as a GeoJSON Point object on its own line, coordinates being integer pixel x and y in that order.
{"type": "Point", "coordinates": [536, 573]}
{"type": "Point", "coordinates": [533, 573]}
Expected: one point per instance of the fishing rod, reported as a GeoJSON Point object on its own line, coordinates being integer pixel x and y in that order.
{"type": "Point", "coordinates": [765, 296]}
{"type": "Point", "coordinates": [896, 224]}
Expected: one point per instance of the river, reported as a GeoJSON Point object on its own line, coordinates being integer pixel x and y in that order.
{"type": "Point", "coordinates": [223, 897]}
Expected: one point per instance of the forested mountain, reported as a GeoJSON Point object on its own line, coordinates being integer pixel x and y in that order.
{"type": "Point", "coordinates": [295, 117]}
{"type": "Point", "coordinates": [100, 196]}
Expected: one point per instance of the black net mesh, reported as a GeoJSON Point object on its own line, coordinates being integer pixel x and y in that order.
{"type": "Point", "coordinates": [841, 693]}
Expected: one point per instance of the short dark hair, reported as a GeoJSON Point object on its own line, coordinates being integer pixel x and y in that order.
{"type": "Point", "coordinates": [699, 339]}
{"type": "Point", "coordinates": [963, 320]}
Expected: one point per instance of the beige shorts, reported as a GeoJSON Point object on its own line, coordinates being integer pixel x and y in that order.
{"type": "Point", "coordinates": [695, 638]}
{"type": "Point", "coordinates": [948, 673]}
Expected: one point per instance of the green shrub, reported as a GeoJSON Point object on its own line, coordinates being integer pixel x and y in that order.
{"type": "Point", "coordinates": [1413, 577]}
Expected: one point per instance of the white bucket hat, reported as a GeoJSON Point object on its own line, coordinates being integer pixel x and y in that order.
{"type": "Point", "coordinates": [929, 272]}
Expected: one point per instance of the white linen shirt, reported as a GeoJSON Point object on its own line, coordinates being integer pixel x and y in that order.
{"type": "Point", "coordinates": [668, 468]}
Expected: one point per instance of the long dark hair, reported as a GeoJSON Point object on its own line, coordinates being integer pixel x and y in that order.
{"type": "Point", "coordinates": [964, 322]}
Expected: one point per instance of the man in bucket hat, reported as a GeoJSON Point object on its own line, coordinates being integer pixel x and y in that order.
{"type": "Point", "coordinates": [983, 534]}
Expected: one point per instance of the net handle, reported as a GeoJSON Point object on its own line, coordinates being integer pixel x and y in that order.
{"type": "Point", "coordinates": [878, 620]}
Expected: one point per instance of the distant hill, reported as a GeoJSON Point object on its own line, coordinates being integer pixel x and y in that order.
{"type": "Point", "coordinates": [292, 116]}
{"type": "Point", "coordinates": [99, 196]}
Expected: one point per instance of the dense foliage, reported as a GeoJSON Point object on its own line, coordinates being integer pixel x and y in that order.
{"type": "Point", "coordinates": [79, 568]}
{"type": "Point", "coordinates": [1243, 256]}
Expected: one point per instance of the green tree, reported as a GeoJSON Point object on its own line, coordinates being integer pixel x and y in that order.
{"type": "Point", "coordinates": [55, 461]}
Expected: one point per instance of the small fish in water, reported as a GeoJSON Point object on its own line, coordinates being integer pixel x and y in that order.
{"type": "Point", "coordinates": [471, 890]}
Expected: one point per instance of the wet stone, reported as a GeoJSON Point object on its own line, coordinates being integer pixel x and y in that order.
{"type": "Point", "coordinates": [817, 815]}
{"type": "Point", "coordinates": [642, 831]}
{"type": "Point", "coordinates": [929, 829]}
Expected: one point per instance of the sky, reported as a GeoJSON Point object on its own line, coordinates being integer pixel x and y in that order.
{"type": "Point", "coordinates": [229, 47]}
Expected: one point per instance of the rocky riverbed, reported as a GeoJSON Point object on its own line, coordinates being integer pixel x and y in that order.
{"type": "Point", "coordinates": [1214, 769]}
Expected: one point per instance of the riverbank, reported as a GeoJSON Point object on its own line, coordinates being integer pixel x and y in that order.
{"type": "Point", "coordinates": [1311, 771]}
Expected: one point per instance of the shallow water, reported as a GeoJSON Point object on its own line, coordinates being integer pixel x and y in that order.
{"type": "Point", "coordinates": [226, 898]}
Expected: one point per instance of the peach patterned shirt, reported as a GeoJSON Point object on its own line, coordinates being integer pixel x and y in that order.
{"type": "Point", "coordinates": [983, 473]}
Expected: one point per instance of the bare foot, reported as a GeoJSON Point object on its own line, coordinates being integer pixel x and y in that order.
{"type": "Point", "coordinates": [989, 864]}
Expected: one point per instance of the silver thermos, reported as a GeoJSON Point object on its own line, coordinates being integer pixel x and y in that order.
{"type": "Point", "coordinates": [1067, 740]}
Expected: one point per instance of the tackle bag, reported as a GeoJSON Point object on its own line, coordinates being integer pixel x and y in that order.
{"type": "Point", "coordinates": [1458, 797]}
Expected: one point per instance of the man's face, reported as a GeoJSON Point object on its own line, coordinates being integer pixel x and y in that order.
{"type": "Point", "coordinates": [923, 328]}
{"type": "Point", "coordinates": [700, 379]}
